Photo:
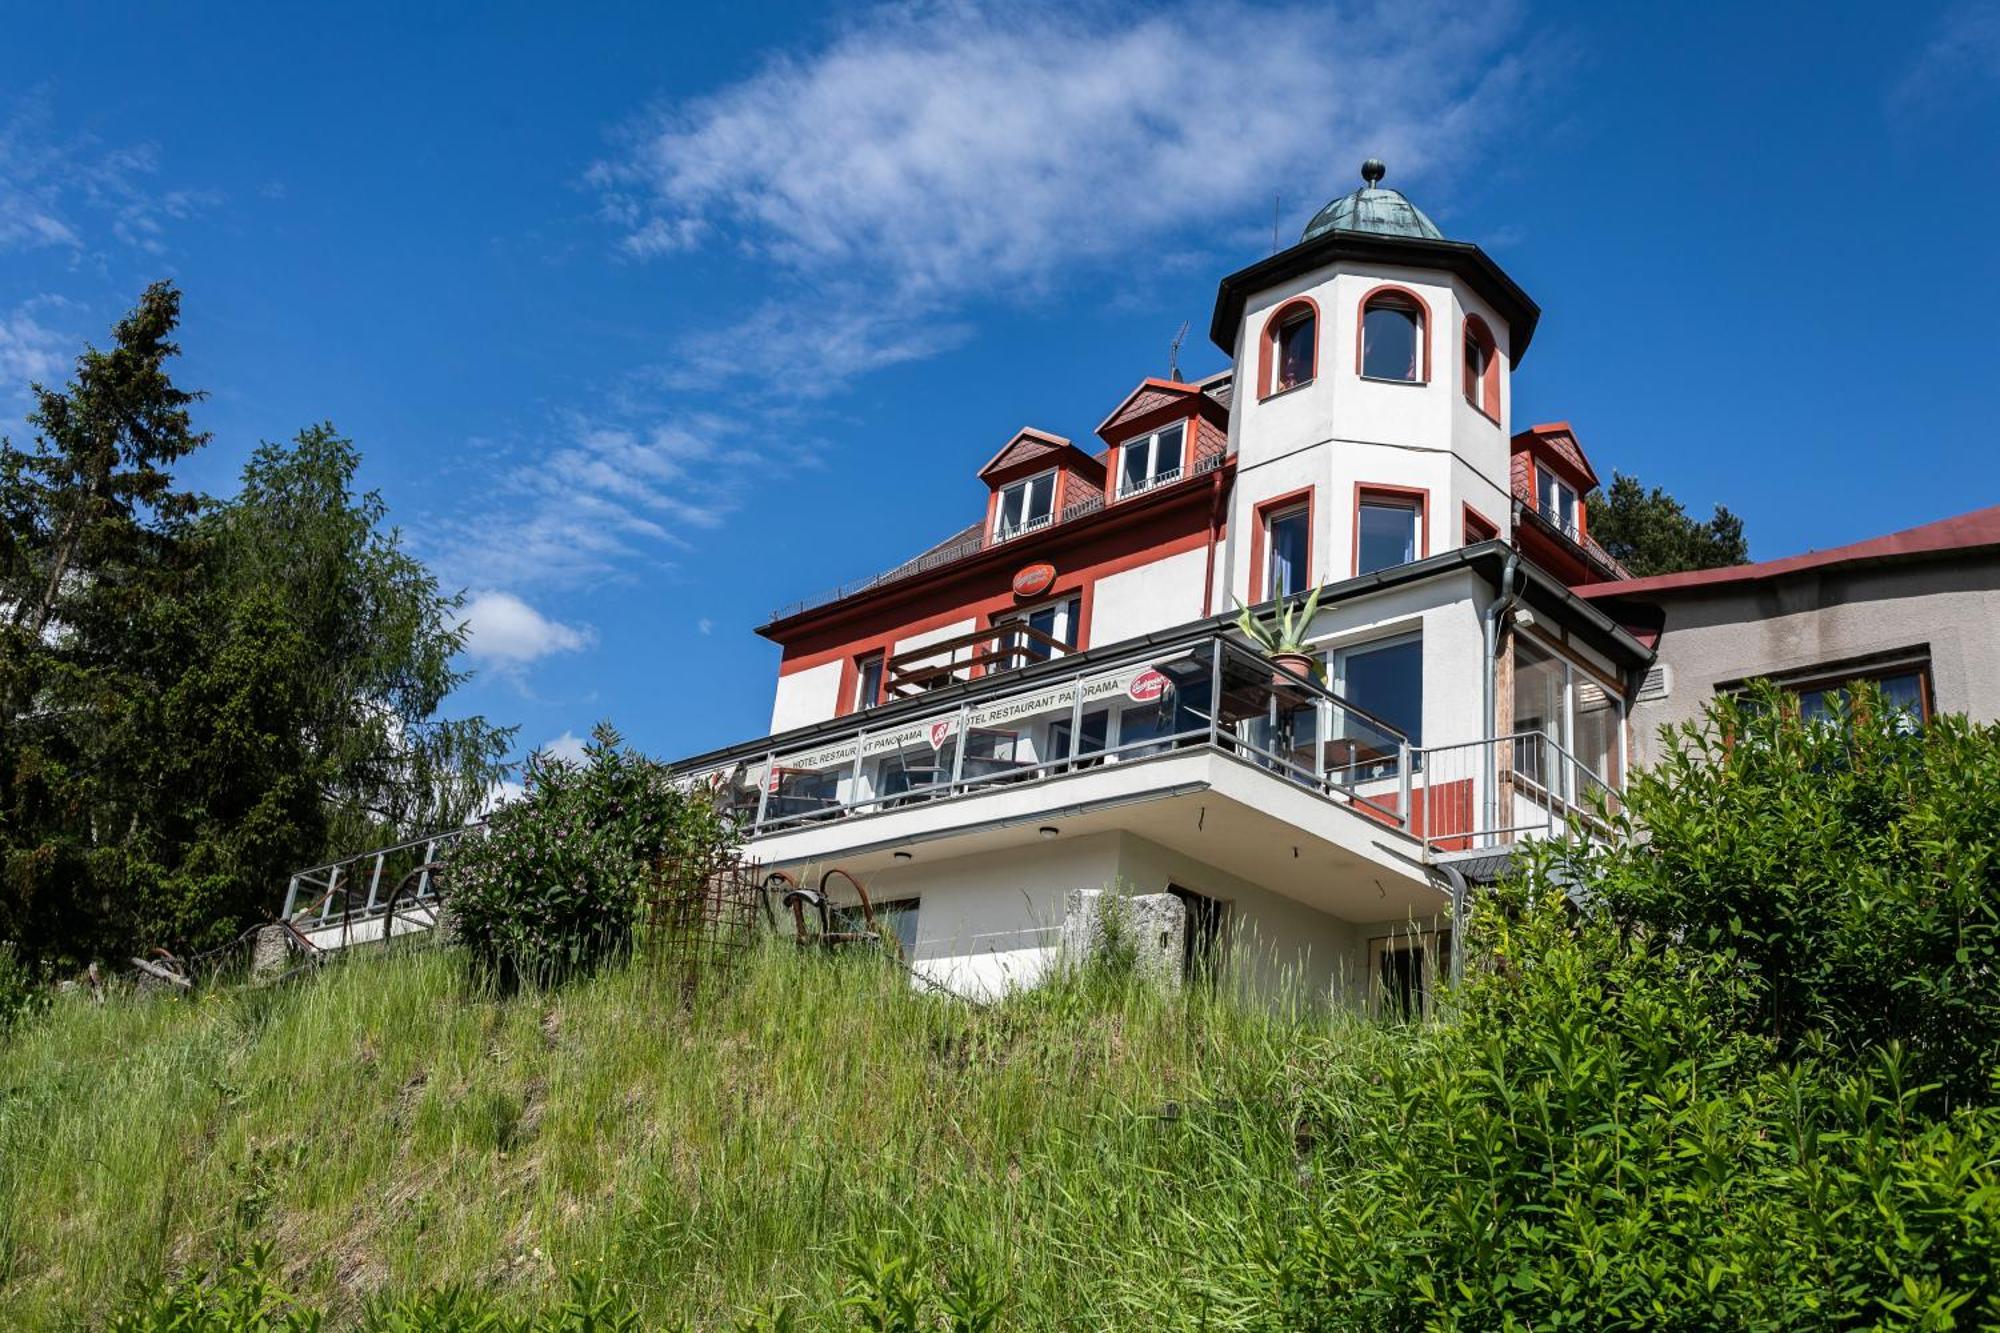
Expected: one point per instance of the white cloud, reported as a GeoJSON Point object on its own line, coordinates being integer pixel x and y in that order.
{"type": "Point", "coordinates": [1964, 52]}
{"type": "Point", "coordinates": [56, 188]}
{"type": "Point", "coordinates": [953, 149]}
{"type": "Point", "coordinates": [506, 633]}
{"type": "Point", "coordinates": [705, 625]}
{"type": "Point", "coordinates": [568, 746]}
{"type": "Point", "coordinates": [29, 352]}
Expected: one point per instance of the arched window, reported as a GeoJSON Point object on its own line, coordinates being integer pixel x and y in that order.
{"type": "Point", "coordinates": [1482, 367]}
{"type": "Point", "coordinates": [1290, 354]}
{"type": "Point", "coordinates": [1392, 336]}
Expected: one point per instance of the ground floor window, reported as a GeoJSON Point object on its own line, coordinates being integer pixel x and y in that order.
{"type": "Point", "coordinates": [1405, 972]}
{"type": "Point", "coordinates": [896, 919]}
{"type": "Point", "coordinates": [1906, 689]}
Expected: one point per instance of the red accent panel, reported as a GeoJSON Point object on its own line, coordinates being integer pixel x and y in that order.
{"type": "Point", "coordinates": [1475, 527]}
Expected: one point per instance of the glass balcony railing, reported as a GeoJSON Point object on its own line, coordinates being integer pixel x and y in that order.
{"type": "Point", "coordinates": [1209, 692]}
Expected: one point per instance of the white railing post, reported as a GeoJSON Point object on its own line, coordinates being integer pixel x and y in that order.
{"type": "Point", "coordinates": [1403, 756]}
{"type": "Point", "coordinates": [1322, 724]}
{"type": "Point", "coordinates": [854, 775]}
{"type": "Point", "coordinates": [375, 883]}
{"type": "Point", "coordinates": [958, 749]}
{"type": "Point", "coordinates": [1075, 724]}
{"type": "Point", "coordinates": [1215, 692]}
{"type": "Point", "coordinates": [424, 875]}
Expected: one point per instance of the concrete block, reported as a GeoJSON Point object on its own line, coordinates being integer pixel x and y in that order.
{"type": "Point", "coordinates": [1153, 924]}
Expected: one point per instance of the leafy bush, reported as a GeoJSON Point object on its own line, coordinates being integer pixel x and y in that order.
{"type": "Point", "coordinates": [553, 888]}
{"type": "Point", "coordinates": [1852, 867]}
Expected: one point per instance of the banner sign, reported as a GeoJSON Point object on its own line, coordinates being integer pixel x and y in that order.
{"type": "Point", "coordinates": [1139, 683]}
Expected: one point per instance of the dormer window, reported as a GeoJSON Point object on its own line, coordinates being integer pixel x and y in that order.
{"type": "Point", "coordinates": [1392, 337]}
{"type": "Point", "coordinates": [1557, 501]}
{"type": "Point", "coordinates": [1025, 506]}
{"type": "Point", "coordinates": [1152, 460]}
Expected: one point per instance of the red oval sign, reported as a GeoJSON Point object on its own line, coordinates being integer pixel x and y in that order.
{"type": "Point", "coordinates": [1034, 580]}
{"type": "Point", "coordinates": [1147, 686]}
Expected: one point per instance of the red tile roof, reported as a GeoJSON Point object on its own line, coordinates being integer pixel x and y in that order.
{"type": "Point", "coordinates": [1966, 532]}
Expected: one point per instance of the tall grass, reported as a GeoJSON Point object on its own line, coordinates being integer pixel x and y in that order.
{"type": "Point", "coordinates": [389, 1126]}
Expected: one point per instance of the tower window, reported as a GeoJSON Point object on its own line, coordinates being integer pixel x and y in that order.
{"type": "Point", "coordinates": [1290, 355]}
{"type": "Point", "coordinates": [1025, 506]}
{"type": "Point", "coordinates": [1392, 337]}
{"type": "Point", "coordinates": [1482, 367]}
{"type": "Point", "coordinates": [1287, 549]}
{"type": "Point", "coordinates": [1151, 460]}
{"type": "Point", "coordinates": [1388, 529]}
{"type": "Point", "coordinates": [1296, 338]}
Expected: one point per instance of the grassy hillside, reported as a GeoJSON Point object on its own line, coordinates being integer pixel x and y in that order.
{"type": "Point", "coordinates": [388, 1127]}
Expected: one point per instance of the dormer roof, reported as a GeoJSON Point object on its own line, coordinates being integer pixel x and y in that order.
{"type": "Point", "coordinates": [1032, 451]}
{"type": "Point", "coordinates": [1156, 401]}
{"type": "Point", "coordinates": [1556, 441]}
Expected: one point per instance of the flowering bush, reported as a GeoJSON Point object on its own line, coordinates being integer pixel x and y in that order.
{"type": "Point", "coordinates": [553, 889]}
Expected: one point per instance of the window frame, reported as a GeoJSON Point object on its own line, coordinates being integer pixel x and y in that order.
{"type": "Point", "coordinates": [1156, 475]}
{"type": "Point", "coordinates": [999, 532]}
{"type": "Point", "coordinates": [1470, 517]}
{"type": "Point", "coordinates": [1069, 612]}
{"type": "Point", "coordinates": [1574, 670]}
{"type": "Point", "coordinates": [1482, 390]}
{"type": "Point", "coordinates": [1379, 495]}
{"type": "Point", "coordinates": [1288, 315]}
{"type": "Point", "coordinates": [1548, 476]}
{"type": "Point", "coordinates": [1279, 506]}
{"type": "Point", "coordinates": [1393, 295]}
{"type": "Point", "coordinates": [879, 659]}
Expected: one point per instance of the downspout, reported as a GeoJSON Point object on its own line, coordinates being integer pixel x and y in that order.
{"type": "Point", "coordinates": [1489, 626]}
{"type": "Point", "coordinates": [1214, 537]}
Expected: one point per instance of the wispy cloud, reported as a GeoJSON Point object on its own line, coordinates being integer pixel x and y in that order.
{"type": "Point", "coordinates": [600, 499]}
{"type": "Point", "coordinates": [1963, 52]}
{"type": "Point", "coordinates": [926, 155]}
{"type": "Point", "coordinates": [504, 633]}
{"type": "Point", "coordinates": [69, 190]}
{"type": "Point", "coordinates": [30, 351]}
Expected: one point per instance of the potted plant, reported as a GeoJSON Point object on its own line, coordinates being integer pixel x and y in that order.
{"type": "Point", "coordinates": [1282, 637]}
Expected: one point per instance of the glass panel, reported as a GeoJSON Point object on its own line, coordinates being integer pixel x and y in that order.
{"type": "Point", "coordinates": [868, 690]}
{"type": "Point", "coordinates": [1295, 352]}
{"type": "Point", "coordinates": [1540, 688]}
{"type": "Point", "coordinates": [1388, 681]}
{"type": "Point", "coordinates": [1138, 465]}
{"type": "Point", "coordinates": [1041, 496]}
{"type": "Point", "coordinates": [1388, 536]}
{"type": "Point", "coordinates": [1286, 534]}
{"type": "Point", "coordinates": [1905, 694]}
{"type": "Point", "coordinates": [1096, 726]}
{"type": "Point", "coordinates": [1597, 724]}
{"type": "Point", "coordinates": [1167, 450]}
{"type": "Point", "coordinates": [1389, 342]}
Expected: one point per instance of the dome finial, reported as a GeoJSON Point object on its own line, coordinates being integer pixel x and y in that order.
{"type": "Point", "coordinates": [1372, 172]}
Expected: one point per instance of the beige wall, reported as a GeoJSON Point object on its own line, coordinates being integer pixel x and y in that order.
{"type": "Point", "coordinates": [1797, 623]}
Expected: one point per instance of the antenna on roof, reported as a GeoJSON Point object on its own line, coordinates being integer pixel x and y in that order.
{"type": "Point", "coordinates": [1174, 354]}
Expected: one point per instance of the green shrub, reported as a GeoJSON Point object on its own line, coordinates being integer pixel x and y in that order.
{"type": "Point", "coordinates": [553, 888]}
{"type": "Point", "coordinates": [1852, 867]}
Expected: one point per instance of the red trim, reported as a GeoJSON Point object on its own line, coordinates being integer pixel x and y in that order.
{"type": "Point", "coordinates": [1187, 398]}
{"type": "Point", "coordinates": [1470, 516]}
{"type": "Point", "coordinates": [1260, 518]}
{"type": "Point", "coordinates": [1484, 396]}
{"type": "Point", "coordinates": [1423, 326]}
{"type": "Point", "coordinates": [1267, 346]}
{"type": "Point", "coordinates": [972, 591]}
{"type": "Point", "coordinates": [1977, 530]}
{"type": "Point", "coordinates": [1411, 497]}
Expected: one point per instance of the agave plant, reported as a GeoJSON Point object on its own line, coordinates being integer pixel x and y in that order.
{"type": "Point", "coordinates": [1283, 634]}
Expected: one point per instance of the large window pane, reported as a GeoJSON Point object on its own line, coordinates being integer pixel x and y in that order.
{"type": "Point", "coordinates": [1389, 342]}
{"type": "Point", "coordinates": [1387, 680]}
{"type": "Point", "coordinates": [1287, 536]}
{"type": "Point", "coordinates": [1388, 536]}
{"type": "Point", "coordinates": [1295, 352]}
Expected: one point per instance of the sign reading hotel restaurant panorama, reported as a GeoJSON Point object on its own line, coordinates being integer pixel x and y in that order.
{"type": "Point", "coordinates": [1140, 683]}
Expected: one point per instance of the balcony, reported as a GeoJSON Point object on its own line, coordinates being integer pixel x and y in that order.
{"type": "Point", "coordinates": [983, 652]}
{"type": "Point", "coordinates": [1569, 534]}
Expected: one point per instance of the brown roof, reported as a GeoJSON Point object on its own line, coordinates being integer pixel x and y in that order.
{"type": "Point", "coordinates": [1966, 532]}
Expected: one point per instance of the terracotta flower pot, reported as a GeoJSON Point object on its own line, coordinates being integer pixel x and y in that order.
{"type": "Point", "coordinates": [1297, 663]}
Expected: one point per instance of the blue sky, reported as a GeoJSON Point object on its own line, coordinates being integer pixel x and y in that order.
{"type": "Point", "coordinates": [648, 321]}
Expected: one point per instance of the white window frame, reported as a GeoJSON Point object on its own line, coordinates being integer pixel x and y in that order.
{"type": "Point", "coordinates": [1336, 669]}
{"type": "Point", "coordinates": [1068, 621]}
{"type": "Point", "coordinates": [1156, 475]}
{"type": "Point", "coordinates": [1300, 508]}
{"type": "Point", "coordinates": [1550, 493]}
{"type": "Point", "coordinates": [1410, 504]}
{"type": "Point", "coordinates": [1025, 489]}
{"type": "Point", "coordinates": [862, 699]}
